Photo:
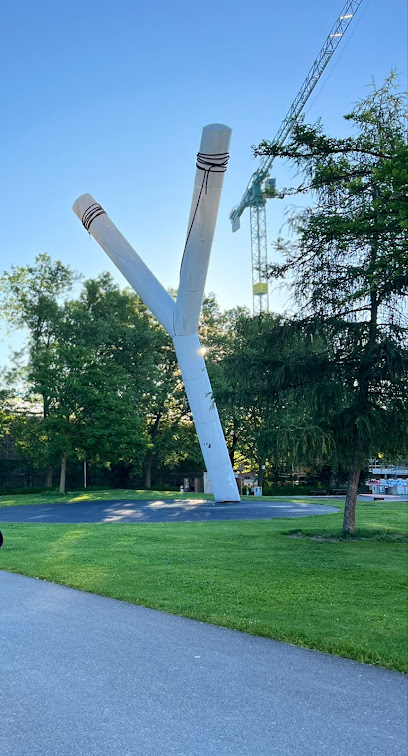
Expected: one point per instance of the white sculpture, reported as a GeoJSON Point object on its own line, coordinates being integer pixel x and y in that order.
{"type": "Point", "coordinates": [180, 318]}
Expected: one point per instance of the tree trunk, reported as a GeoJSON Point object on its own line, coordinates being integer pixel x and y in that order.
{"type": "Point", "coordinates": [233, 446]}
{"type": "Point", "coordinates": [149, 462]}
{"type": "Point", "coordinates": [359, 457]}
{"type": "Point", "coordinates": [349, 521]}
{"type": "Point", "coordinates": [261, 472]}
{"type": "Point", "coordinates": [63, 473]}
{"type": "Point", "coordinates": [48, 476]}
{"type": "Point", "coordinates": [148, 471]}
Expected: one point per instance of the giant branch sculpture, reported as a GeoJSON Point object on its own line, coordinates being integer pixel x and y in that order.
{"type": "Point", "coordinates": [180, 318]}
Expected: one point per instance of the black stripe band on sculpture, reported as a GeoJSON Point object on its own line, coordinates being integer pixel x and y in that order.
{"type": "Point", "coordinates": [207, 163]}
{"type": "Point", "coordinates": [91, 213]}
{"type": "Point", "coordinates": [216, 163]}
{"type": "Point", "coordinates": [211, 164]}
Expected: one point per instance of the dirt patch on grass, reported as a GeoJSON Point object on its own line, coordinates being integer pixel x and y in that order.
{"type": "Point", "coordinates": [358, 536]}
{"type": "Point", "coordinates": [314, 537]}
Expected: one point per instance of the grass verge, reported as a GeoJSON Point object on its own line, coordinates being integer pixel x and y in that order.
{"type": "Point", "coordinates": [345, 597]}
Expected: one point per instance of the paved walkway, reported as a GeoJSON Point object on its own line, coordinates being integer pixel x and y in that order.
{"type": "Point", "coordinates": [160, 510]}
{"type": "Point", "coordinates": [89, 676]}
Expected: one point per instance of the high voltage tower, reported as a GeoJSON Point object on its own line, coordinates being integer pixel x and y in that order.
{"type": "Point", "coordinates": [260, 185]}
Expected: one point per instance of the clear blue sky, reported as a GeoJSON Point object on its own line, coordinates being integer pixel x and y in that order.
{"type": "Point", "coordinates": [110, 98]}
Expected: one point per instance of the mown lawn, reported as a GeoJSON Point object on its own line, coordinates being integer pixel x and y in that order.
{"type": "Point", "coordinates": [51, 497]}
{"type": "Point", "coordinates": [72, 497]}
{"type": "Point", "coordinates": [346, 597]}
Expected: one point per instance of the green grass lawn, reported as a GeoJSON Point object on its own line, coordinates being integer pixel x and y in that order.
{"type": "Point", "coordinates": [347, 597]}
{"type": "Point", "coordinates": [51, 497]}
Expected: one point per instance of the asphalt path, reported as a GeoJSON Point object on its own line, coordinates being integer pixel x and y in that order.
{"type": "Point", "coordinates": [160, 510]}
{"type": "Point", "coordinates": [90, 676]}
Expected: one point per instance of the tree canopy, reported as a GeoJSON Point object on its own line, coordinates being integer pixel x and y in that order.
{"type": "Point", "coordinates": [347, 269]}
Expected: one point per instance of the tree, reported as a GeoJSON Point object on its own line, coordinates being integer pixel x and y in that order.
{"type": "Point", "coordinates": [85, 376]}
{"type": "Point", "coordinates": [270, 376]}
{"type": "Point", "coordinates": [31, 298]}
{"type": "Point", "coordinates": [220, 337]}
{"type": "Point", "coordinates": [259, 424]}
{"type": "Point", "coordinates": [349, 272]}
{"type": "Point", "coordinates": [163, 403]}
{"type": "Point", "coordinates": [100, 380]}
{"type": "Point", "coordinates": [93, 377]}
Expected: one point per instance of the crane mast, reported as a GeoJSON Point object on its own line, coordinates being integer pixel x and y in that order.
{"type": "Point", "coordinates": [255, 195]}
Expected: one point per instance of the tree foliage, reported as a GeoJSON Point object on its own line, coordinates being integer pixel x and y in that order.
{"type": "Point", "coordinates": [98, 379]}
{"type": "Point", "coordinates": [349, 276]}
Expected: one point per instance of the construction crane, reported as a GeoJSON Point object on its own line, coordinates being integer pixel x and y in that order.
{"type": "Point", "coordinates": [260, 185]}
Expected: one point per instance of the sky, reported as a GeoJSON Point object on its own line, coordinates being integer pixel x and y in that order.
{"type": "Point", "coordinates": [110, 99]}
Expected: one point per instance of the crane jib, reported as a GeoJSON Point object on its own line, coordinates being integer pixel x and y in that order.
{"type": "Point", "coordinates": [254, 196]}
{"type": "Point", "coordinates": [331, 43]}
